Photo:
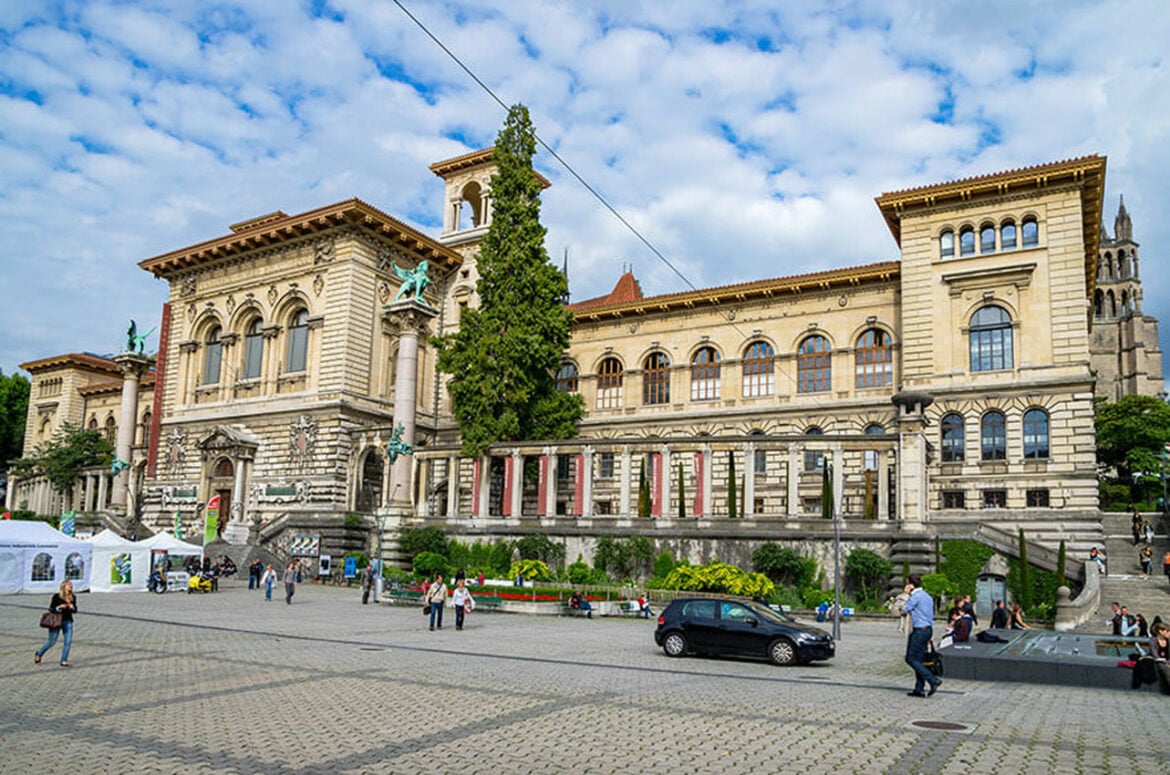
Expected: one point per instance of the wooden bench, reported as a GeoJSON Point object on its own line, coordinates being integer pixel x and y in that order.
{"type": "Point", "coordinates": [403, 596]}
{"type": "Point", "coordinates": [628, 608]}
{"type": "Point", "coordinates": [488, 602]}
{"type": "Point", "coordinates": [568, 610]}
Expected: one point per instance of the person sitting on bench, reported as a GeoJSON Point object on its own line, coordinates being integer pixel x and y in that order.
{"type": "Point", "coordinates": [580, 603]}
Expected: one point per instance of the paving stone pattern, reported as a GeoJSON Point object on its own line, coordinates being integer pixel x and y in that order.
{"type": "Point", "coordinates": [228, 683]}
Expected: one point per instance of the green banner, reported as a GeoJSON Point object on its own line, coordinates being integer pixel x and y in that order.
{"type": "Point", "coordinates": [211, 521]}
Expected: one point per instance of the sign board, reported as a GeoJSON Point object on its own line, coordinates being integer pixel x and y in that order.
{"type": "Point", "coordinates": [350, 567]}
{"type": "Point", "coordinates": [304, 544]}
{"type": "Point", "coordinates": [211, 521]}
{"type": "Point", "coordinates": [323, 565]}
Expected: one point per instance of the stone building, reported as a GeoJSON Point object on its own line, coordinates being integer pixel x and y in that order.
{"type": "Point", "coordinates": [951, 390]}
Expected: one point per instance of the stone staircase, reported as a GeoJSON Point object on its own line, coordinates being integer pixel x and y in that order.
{"type": "Point", "coordinates": [1124, 582]}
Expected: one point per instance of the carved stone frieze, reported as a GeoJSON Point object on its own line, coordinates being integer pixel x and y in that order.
{"type": "Point", "coordinates": [176, 450]}
{"type": "Point", "coordinates": [230, 304]}
{"type": "Point", "coordinates": [272, 294]}
{"type": "Point", "coordinates": [302, 439]}
{"type": "Point", "coordinates": [187, 287]}
{"type": "Point", "coordinates": [318, 284]}
{"type": "Point", "coordinates": [383, 291]}
{"type": "Point", "coordinates": [178, 496]}
{"type": "Point", "coordinates": [280, 492]}
{"type": "Point", "coordinates": [323, 250]}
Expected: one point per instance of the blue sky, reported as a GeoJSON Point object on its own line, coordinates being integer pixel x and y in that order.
{"type": "Point", "coordinates": [743, 139]}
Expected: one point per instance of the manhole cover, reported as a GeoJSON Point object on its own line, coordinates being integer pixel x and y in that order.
{"type": "Point", "coordinates": [943, 726]}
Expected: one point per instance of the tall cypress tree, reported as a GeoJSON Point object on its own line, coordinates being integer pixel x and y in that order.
{"type": "Point", "coordinates": [504, 358]}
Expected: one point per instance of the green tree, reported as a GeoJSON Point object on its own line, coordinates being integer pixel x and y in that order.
{"type": "Point", "coordinates": [1061, 561]}
{"type": "Point", "coordinates": [65, 454]}
{"type": "Point", "coordinates": [783, 565]}
{"type": "Point", "coordinates": [1125, 429]}
{"type": "Point", "coordinates": [869, 569]}
{"type": "Point", "coordinates": [541, 547]}
{"type": "Point", "coordinates": [14, 391]}
{"type": "Point", "coordinates": [416, 540]}
{"type": "Point", "coordinates": [1025, 580]}
{"type": "Point", "coordinates": [504, 358]}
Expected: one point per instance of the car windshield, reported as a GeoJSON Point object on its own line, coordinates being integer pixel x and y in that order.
{"type": "Point", "coordinates": [769, 614]}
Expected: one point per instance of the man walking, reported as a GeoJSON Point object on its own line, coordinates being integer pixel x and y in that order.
{"type": "Point", "coordinates": [290, 581]}
{"type": "Point", "coordinates": [920, 606]}
{"type": "Point", "coordinates": [367, 582]}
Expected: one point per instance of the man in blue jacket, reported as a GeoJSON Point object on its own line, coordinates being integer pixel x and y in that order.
{"type": "Point", "coordinates": [920, 607]}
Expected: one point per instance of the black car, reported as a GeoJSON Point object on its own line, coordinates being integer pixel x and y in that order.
{"type": "Point", "coordinates": [706, 625]}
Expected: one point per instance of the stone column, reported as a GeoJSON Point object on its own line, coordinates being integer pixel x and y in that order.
{"type": "Point", "coordinates": [517, 488]}
{"type": "Point", "coordinates": [883, 486]}
{"type": "Point", "coordinates": [133, 367]}
{"type": "Point", "coordinates": [625, 491]}
{"type": "Point", "coordinates": [749, 480]}
{"type": "Point", "coordinates": [236, 531]}
{"type": "Point", "coordinates": [586, 482]}
{"type": "Point", "coordinates": [550, 489]}
{"type": "Point", "coordinates": [452, 486]}
{"type": "Point", "coordinates": [912, 485]}
{"type": "Point", "coordinates": [795, 454]}
{"type": "Point", "coordinates": [410, 320]}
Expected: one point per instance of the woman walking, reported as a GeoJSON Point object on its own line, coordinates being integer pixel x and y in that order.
{"type": "Point", "coordinates": [63, 603]}
{"type": "Point", "coordinates": [269, 578]}
{"type": "Point", "coordinates": [463, 602]}
{"type": "Point", "coordinates": [436, 598]}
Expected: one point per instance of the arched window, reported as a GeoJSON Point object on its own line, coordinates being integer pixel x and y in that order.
{"type": "Point", "coordinates": [146, 419]}
{"type": "Point", "coordinates": [814, 460]}
{"type": "Point", "coordinates": [1123, 264]}
{"type": "Point", "coordinates": [993, 436]}
{"type": "Point", "coordinates": [298, 341]}
{"type": "Point", "coordinates": [74, 567]}
{"type": "Point", "coordinates": [759, 377]}
{"type": "Point", "coordinates": [991, 339]}
{"type": "Point", "coordinates": [871, 456]}
{"type": "Point", "coordinates": [1007, 236]}
{"type": "Point", "coordinates": [567, 378]}
{"type": "Point", "coordinates": [874, 359]}
{"type": "Point", "coordinates": [1036, 434]}
{"type": "Point", "coordinates": [1110, 304]}
{"type": "Point", "coordinates": [93, 424]}
{"type": "Point", "coordinates": [1031, 234]}
{"type": "Point", "coordinates": [954, 438]}
{"type": "Point", "coordinates": [814, 365]}
{"type": "Point", "coordinates": [253, 349]}
{"type": "Point", "coordinates": [43, 568]}
{"type": "Point", "coordinates": [656, 379]}
{"type": "Point", "coordinates": [946, 244]}
{"type": "Point", "coordinates": [705, 381]}
{"type": "Point", "coordinates": [213, 357]}
{"type": "Point", "coordinates": [609, 384]}
{"type": "Point", "coordinates": [1098, 303]}
{"type": "Point", "coordinates": [111, 430]}
{"type": "Point", "coordinates": [987, 238]}
{"type": "Point", "coordinates": [966, 241]}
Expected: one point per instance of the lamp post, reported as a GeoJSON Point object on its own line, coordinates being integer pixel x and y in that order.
{"type": "Point", "coordinates": [379, 580]}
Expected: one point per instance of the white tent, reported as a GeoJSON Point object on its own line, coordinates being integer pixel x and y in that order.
{"type": "Point", "coordinates": [171, 545]}
{"type": "Point", "coordinates": [118, 565]}
{"type": "Point", "coordinates": [34, 557]}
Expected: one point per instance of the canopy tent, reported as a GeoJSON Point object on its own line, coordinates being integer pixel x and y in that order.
{"type": "Point", "coordinates": [171, 545]}
{"type": "Point", "coordinates": [34, 557]}
{"type": "Point", "coordinates": [119, 565]}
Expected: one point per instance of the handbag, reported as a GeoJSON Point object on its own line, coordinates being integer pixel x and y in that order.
{"type": "Point", "coordinates": [51, 620]}
{"type": "Point", "coordinates": [427, 609]}
{"type": "Point", "coordinates": [933, 660]}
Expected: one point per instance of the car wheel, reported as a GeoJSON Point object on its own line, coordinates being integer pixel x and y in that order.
{"type": "Point", "coordinates": [782, 652]}
{"type": "Point", "coordinates": [675, 645]}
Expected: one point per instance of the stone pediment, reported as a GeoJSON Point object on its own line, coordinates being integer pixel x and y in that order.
{"type": "Point", "coordinates": [228, 440]}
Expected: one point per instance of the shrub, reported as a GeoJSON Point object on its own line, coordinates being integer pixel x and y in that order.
{"type": "Point", "coordinates": [531, 570]}
{"type": "Point", "coordinates": [869, 569]}
{"type": "Point", "coordinates": [663, 564]}
{"type": "Point", "coordinates": [962, 561]}
{"type": "Point", "coordinates": [397, 575]}
{"type": "Point", "coordinates": [938, 586]}
{"type": "Point", "coordinates": [430, 563]}
{"type": "Point", "coordinates": [784, 566]}
{"type": "Point", "coordinates": [541, 547]}
{"type": "Point", "coordinates": [812, 597]}
{"type": "Point", "coordinates": [415, 540]}
{"type": "Point", "coordinates": [719, 577]}
{"type": "Point", "coordinates": [354, 520]}
{"type": "Point", "coordinates": [579, 572]}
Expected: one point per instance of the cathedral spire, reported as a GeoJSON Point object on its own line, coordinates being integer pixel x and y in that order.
{"type": "Point", "coordinates": [1122, 225]}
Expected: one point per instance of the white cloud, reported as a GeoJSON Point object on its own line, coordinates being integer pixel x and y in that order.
{"type": "Point", "coordinates": [744, 139]}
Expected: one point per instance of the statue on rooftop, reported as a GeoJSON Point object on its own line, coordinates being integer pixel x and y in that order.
{"type": "Point", "coordinates": [412, 280]}
{"type": "Point", "coordinates": [134, 342]}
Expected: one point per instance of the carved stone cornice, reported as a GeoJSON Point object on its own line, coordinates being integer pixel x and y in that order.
{"type": "Point", "coordinates": [189, 346]}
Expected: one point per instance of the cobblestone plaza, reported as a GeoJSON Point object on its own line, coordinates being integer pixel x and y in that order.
{"type": "Point", "coordinates": [228, 683]}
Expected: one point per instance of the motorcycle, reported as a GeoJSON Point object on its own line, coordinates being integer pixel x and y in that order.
{"type": "Point", "coordinates": [157, 583]}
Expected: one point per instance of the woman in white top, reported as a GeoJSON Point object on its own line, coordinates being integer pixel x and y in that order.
{"type": "Point", "coordinates": [463, 602]}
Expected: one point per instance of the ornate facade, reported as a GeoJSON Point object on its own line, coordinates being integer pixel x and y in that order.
{"type": "Point", "coordinates": [952, 390]}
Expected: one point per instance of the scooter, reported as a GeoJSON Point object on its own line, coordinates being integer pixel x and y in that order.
{"type": "Point", "coordinates": [157, 583]}
{"type": "Point", "coordinates": [198, 583]}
